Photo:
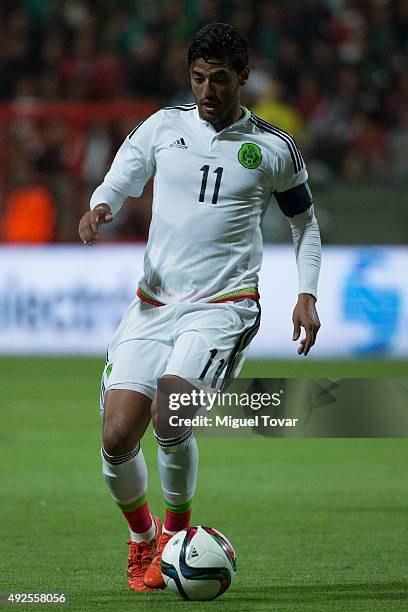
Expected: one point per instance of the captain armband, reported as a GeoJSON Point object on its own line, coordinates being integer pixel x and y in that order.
{"type": "Point", "coordinates": [294, 201]}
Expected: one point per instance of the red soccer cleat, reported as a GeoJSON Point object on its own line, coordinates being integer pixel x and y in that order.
{"type": "Point", "coordinates": [140, 557]}
{"type": "Point", "coordinates": [153, 578]}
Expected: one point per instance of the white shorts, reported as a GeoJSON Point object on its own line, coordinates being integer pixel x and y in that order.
{"type": "Point", "coordinates": [199, 341]}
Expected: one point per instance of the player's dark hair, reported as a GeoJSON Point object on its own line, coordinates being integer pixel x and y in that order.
{"type": "Point", "coordinates": [219, 41]}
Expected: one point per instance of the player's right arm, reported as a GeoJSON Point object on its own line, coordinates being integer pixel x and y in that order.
{"type": "Point", "coordinates": [132, 167]}
{"type": "Point", "coordinates": [88, 229]}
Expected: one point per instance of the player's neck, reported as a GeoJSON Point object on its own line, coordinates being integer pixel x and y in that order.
{"type": "Point", "coordinates": [235, 114]}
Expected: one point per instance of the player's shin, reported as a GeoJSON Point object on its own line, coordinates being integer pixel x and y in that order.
{"type": "Point", "coordinates": [126, 477]}
{"type": "Point", "coordinates": [178, 463]}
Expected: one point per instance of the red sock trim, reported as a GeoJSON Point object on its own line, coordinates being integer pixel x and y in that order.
{"type": "Point", "coordinates": [139, 520]}
{"type": "Point", "coordinates": [176, 521]}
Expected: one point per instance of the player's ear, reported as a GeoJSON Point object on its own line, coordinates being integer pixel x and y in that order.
{"type": "Point", "coordinates": [243, 76]}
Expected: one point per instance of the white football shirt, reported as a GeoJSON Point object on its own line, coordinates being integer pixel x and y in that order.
{"type": "Point", "coordinates": [210, 192]}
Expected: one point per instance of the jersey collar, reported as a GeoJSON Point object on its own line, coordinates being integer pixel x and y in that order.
{"type": "Point", "coordinates": [246, 115]}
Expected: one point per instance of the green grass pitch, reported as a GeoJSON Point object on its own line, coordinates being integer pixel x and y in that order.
{"type": "Point", "coordinates": [318, 524]}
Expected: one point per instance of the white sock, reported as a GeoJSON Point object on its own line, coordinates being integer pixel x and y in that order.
{"type": "Point", "coordinates": [125, 476]}
{"type": "Point", "coordinates": [178, 470]}
{"type": "Point", "coordinates": [168, 531]}
{"type": "Point", "coordinates": [147, 536]}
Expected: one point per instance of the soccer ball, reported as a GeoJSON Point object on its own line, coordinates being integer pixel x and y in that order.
{"type": "Point", "coordinates": [198, 563]}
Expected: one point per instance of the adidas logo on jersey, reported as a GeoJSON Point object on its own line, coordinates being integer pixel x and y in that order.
{"type": "Point", "coordinates": [180, 144]}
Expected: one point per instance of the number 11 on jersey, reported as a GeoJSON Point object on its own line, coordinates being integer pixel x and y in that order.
{"type": "Point", "coordinates": [205, 170]}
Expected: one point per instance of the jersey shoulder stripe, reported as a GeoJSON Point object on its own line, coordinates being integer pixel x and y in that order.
{"type": "Point", "coordinates": [279, 132]}
{"type": "Point", "coordinates": [182, 107]}
{"type": "Point", "coordinates": [295, 154]}
{"type": "Point", "coordinates": [287, 138]}
{"type": "Point", "coordinates": [136, 128]}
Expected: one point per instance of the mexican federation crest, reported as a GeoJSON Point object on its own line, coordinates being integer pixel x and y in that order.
{"type": "Point", "coordinates": [250, 155]}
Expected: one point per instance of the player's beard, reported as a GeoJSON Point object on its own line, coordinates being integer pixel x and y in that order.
{"type": "Point", "coordinates": [221, 114]}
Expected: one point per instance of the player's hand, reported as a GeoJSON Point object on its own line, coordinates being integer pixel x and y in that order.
{"type": "Point", "coordinates": [305, 315]}
{"type": "Point", "coordinates": [88, 229]}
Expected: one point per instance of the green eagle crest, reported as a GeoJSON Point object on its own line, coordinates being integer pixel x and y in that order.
{"type": "Point", "coordinates": [250, 155]}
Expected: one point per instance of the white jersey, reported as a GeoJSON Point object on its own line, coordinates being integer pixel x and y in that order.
{"type": "Point", "coordinates": [211, 190]}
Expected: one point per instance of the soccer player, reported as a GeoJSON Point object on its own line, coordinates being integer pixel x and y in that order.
{"type": "Point", "coordinates": [216, 167]}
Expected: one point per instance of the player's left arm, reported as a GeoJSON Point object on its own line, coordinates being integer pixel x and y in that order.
{"type": "Point", "coordinates": [297, 205]}
{"type": "Point", "coordinates": [306, 241]}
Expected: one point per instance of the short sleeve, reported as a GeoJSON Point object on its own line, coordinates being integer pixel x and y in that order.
{"type": "Point", "coordinates": [291, 190]}
{"type": "Point", "coordinates": [290, 170]}
{"type": "Point", "coordinates": [135, 162]}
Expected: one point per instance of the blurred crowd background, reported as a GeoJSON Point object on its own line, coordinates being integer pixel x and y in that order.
{"type": "Point", "coordinates": [76, 75]}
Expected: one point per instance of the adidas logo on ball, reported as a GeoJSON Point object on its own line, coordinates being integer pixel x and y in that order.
{"type": "Point", "coordinates": [193, 553]}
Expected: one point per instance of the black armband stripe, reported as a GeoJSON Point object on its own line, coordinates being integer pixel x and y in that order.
{"type": "Point", "coordinates": [294, 201]}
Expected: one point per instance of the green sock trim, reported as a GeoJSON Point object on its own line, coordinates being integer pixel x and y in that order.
{"type": "Point", "coordinates": [179, 507]}
{"type": "Point", "coordinates": [134, 505]}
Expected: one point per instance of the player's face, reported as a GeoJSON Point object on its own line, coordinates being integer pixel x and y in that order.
{"type": "Point", "coordinates": [216, 88]}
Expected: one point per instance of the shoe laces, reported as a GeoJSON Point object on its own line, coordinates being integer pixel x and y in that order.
{"type": "Point", "coordinates": [163, 539]}
{"type": "Point", "coordinates": [140, 555]}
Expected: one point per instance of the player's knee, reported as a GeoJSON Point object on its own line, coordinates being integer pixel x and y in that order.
{"type": "Point", "coordinates": [169, 384]}
{"type": "Point", "coordinates": [166, 409]}
{"type": "Point", "coordinates": [126, 416]}
{"type": "Point", "coordinates": [116, 441]}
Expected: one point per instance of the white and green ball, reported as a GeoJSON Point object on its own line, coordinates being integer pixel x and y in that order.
{"type": "Point", "coordinates": [198, 563]}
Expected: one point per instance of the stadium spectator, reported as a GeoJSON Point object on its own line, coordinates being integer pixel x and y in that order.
{"type": "Point", "coordinates": [30, 216]}
{"type": "Point", "coordinates": [272, 107]}
{"type": "Point", "coordinates": [332, 72]}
